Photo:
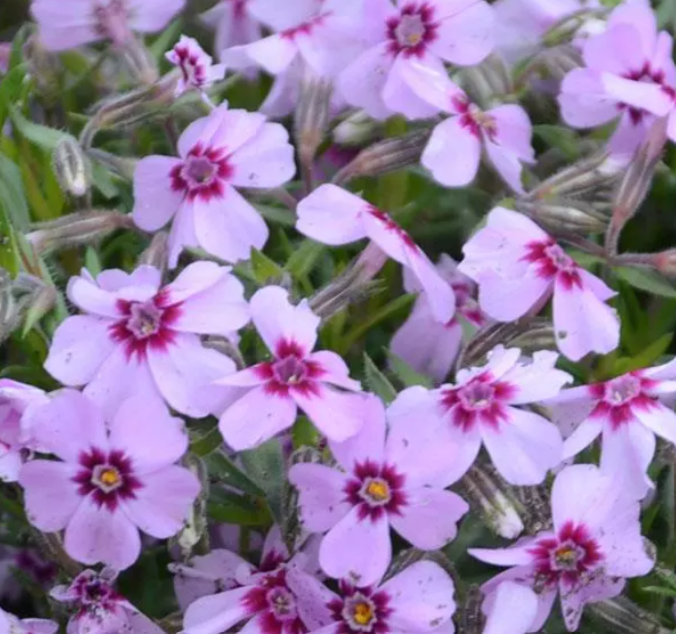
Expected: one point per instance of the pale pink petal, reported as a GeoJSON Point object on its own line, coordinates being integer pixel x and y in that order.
{"type": "Point", "coordinates": [659, 419]}
{"type": "Point", "coordinates": [628, 135]}
{"type": "Point", "coordinates": [50, 495]}
{"type": "Point", "coordinates": [452, 154]}
{"type": "Point", "coordinates": [614, 51]}
{"type": "Point", "coordinates": [506, 164]}
{"type": "Point", "coordinates": [431, 83]}
{"type": "Point", "coordinates": [312, 599]}
{"type": "Point", "coordinates": [193, 279]}
{"type": "Point", "coordinates": [282, 16]}
{"type": "Point", "coordinates": [97, 535]}
{"type": "Point", "coordinates": [596, 285]}
{"type": "Point", "coordinates": [335, 370]}
{"type": "Point", "coordinates": [331, 215]}
{"type": "Point", "coordinates": [514, 609]}
{"type": "Point", "coordinates": [517, 555]}
{"type": "Point", "coordinates": [583, 100]}
{"type": "Point", "coordinates": [400, 96]}
{"type": "Point", "coordinates": [570, 407]}
{"type": "Point", "coordinates": [155, 200]}
{"type": "Point", "coordinates": [509, 299]}
{"type": "Point", "coordinates": [255, 418]}
{"type": "Point", "coordinates": [439, 294]}
{"type": "Point", "coordinates": [338, 415]}
{"type": "Point", "coordinates": [144, 279]}
{"type": "Point", "coordinates": [640, 17]}
{"type": "Point", "coordinates": [421, 597]}
{"type": "Point", "coordinates": [538, 380]}
{"type": "Point", "coordinates": [585, 434]}
{"type": "Point", "coordinates": [626, 456]}
{"type": "Point", "coordinates": [321, 495]}
{"type": "Point", "coordinates": [429, 519]}
{"type": "Point", "coordinates": [149, 17]}
{"type": "Point", "coordinates": [217, 613]}
{"type": "Point", "coordinates": [513, 131]}
{"type": "Point", "coordinates": [356, 549]}
{"type": "Point", "coordinates": [277, 320]}
{"type": "Point", "coordinates": [91, 298]}
{"type": "Point", "coordinates": [60, 29]}
{"type": "Point", "coordinates": [650, 97]}
{"type": "Point", "coordinates": [524, 449]}
{"type": "Point", "coordinates": [596, 589]}
{"type": "Point", "coordinates": [182, 233]}
{"type": "Point", "coordinates": [249, 377]}
{"type": "Point", "coordinates": [274, 53]}
{"type": "Point", "coordinates": [11, 462]}
{"type": "Point", "coordinates": [583, 323]}
{"type": "Point", "coordinates": [80, 346]}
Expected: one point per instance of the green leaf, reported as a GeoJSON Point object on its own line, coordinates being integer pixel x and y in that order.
{"type": "Point", "coordinates": [406, 374]}
{"type": "Point", "coordinates": [224, 471]}
{"type": "Point", "coordinates": [303, 259]}
{"type": "Point", "coordinates": [646, 280]}
{"type": "Point", "coordinates": [279, 215]}
{"type": "Point", "coordinates": [10, 89]}
{"type": "Point", "coordinates": [662, 591]}
{"type": "Point", "coordinates": [165, 40]}
{"type": "Point", "coordinates": [304, 433]}
{"type": "Point", "coordinates": [230, 508]}
{"type": "Point", "coordinates": [42, 136]}
{"type": "Point", "coordinates": [206, 443]}
{"type": "Point", "coordinates": [264, 269]}
{"type": "Point", "coordinates": [559, 137]}
{"type": "Point", "coordinates": [12, 196]}
{"type": "Point", "coordinates": [644, 358]}
{"type": "Point", "coordinates": [377, 382]}
{"type": "Point", "coordinates": [266, 466]}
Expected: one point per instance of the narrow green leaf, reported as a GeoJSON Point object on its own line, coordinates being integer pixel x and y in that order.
{"type": "Point", "coordinates": [304, 258]}
{"type": "Point", "coordinates": [662, 591]}
{"type": "Point", "coordinates": [229, 508]}
{"type": "Point", "coordinates": [206, 443]}
{"type": "Point", "coordinates": [166, 39]}
{"type": "Point", "coordinates": [646, 280]}
{"type": "Point", "coordinates": [266, 466]}
{"type": "Point", "coordinates": [304, 433]}
{"type": "Point", "coordinates": [264, 269]}
{"type": "Point", "coordinates": [224, 471]}
{"type": "Point", "coordinates": [12, 195]}
{"type": "Point", "coordinates": [406, 374]}
{"type": "Point", "coordinates": [645, 358]}
{"type": "Point", "coordinates": [377, 382]}
{"type": "Point", "coordinates": [279, 215]}
{"type": "Point", "coordinates": [44, 137]}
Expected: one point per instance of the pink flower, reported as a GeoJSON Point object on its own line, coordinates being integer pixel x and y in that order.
{"type": "Point", "coordinates": [218, 153]}
{"type": "Point", "coordinates": [627, 412]}
{"type": "Point", "coordinates": [17, 402]}
{"type": "Point", "coordinates": [637, 86]}
{"type": "Point", "coordinates": [196, 66]}
{"type": "Point", "coordinates": [137, 337]}
{"type": "Point", "coordinates": [110, 480]}
{"type": "Point", "coordinates": [482, 408]}
{"type": "Point", "coordinates": [335, 216]}
{"type": "Point", "coordinates": [222, 570]}
{"type": "Point", "coordinates": [66, 24]}
{"type": "Point", "coordinates": [295, 377]}
{"type": "Point", "coordinates": [595, 545]}
{"type": "Point", "coordinates": [513, 608]}
{"type": "Point", "coordinates": [379, 484]}
{"type": "Point", "coordinates": [518, 267]}
{"type": "Point", "coordinates": [5, 54]}
{"type": "Point", "coordinates": [10, 624]}
{"type": "Point", "coordinates": [235, 21]}
{"type": "Point", "coordinates": [408, 40]}
{"type": "Point", "coordinates": [416, 600]}
{"type": "Point", "coordinates": [99, 608]}
{"type": "Point", "coordinates": [428, 346]}
{"type": "Point", "coordinates": [453, 152]}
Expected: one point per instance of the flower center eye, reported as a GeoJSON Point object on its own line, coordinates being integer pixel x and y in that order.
{"type": "Point", "coordinates": [410, 30]}
{"type": "Point", "coordinates": [106, 478]}
{"type": "Point", "coordinates": [359, 613]}
{"type": "Point", "coordinates": [477, 395]}
{"type": "Point", "coordinates": [362, 613]}
{"type": "Point", "coordinates": [566, 557]}
{"type": "Point", "coordinates": [558, 257]}
{"type": "Point", "coordinates": [282, 604]}
{"type": "Point", "coordinates": [200, 170]}
{"type": "Point", "coordinates": [376, 491]}
{"type": "Point", "coordinates": [622, 390]}
{"type": "Point", "coordinates": [290, 370]}
{"type": "Point", "coordinates": [145, 319]}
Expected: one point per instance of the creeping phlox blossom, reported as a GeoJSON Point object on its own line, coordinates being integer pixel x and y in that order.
{"type": "Point", "coordinates": [108, 484]}
{"type": "Point", "coordinates": [405, 39]}
{"type": "Point", "coordinates": [10, 624]}
{"type": "Point", "coordinates": [217, 154]}
{"type": "Point", "coordinates": [417, 600]}
{"type": "Point", "coordinates": [334, 216]}
{"type": "Point", "coordinates": [261, 596]}
{"type": "Point", "coordinates": [482, 408]}
{"type": "Point", "coordinates": [17, 401]}
{"type": "Point", "coordinates": [427, 345]}
{"type": "Point", "coordinates": [518, 267]}
{"type": "Point", "coordinates": [295, 377]}
{"type": "Point", "coordinates": [453, 152]}
{"type": "Point", "coordinates": [511, 610]}
{"type": "Point", "coordinates": [138, 337]}
{"type": "Point", "coordinates": [66, 24]}
{"type": "Point", "coordinates": [197, 70]}
{"type": "Point", "coordinates": [99, 609]}
{"type": "Point", "coordinates": [629, 71]}
{"type": "Point", "coordinates": [236, 23]}
{"type": "Point", "coordinates": [594, 546]}
{"type": "Point", "coordinates": [381, 483]}
{"type": "Point", "coordinates": [627, 411]}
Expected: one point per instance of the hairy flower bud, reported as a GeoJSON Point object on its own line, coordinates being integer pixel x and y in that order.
{"type": "Point", "coordinates": [356, 129]}
{"type": "Point", "coordinates": [70, 167]}
{"type": "Point", "coordinates": [470, 617]}
{"type": "Point", "coordinates": [625, 617]}
{"type": "Point", "coordinates": [156, 253]}
{"type": "Point", "coordinates": [311, 118]}
{"type": "Point", "coordinates": [558, 61]}
{"type": "Point", "coordinates": [385, 156]}
{"type": "Point", "coordinates": [665, 262]}
{"type": "Point", "coordinates": [565, 215]}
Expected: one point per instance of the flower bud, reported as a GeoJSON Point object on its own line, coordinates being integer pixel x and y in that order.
{"type": "Point", "coordinates": [665, 262]}
{"type": "Point", "coordinates": [484, 340]}
{"type": "Point", "coordinates": [40, 304]}
{"type": "Point", "coordinates": [490, 497]}
{"type": "Point", "coordinates": [356, 129]}
{"type": "Point", "coordinates": [194, 531]}
{"type": "Point", "coordinates": [70, 167]}
{"type": "Point", "coordinates": [311, 118]}
{"type": "Point", "coordinates": [538, 336]}
{"type": "Point", "coordinates": [625, 617]}
{"type": "Point", "coordinates": [537, 515]}
{"type": "Point", "coordinates": [86, 227]}
{"type": "Point", "coordinates": [558, 61]}
{"type": "Point", "coordinates": [564, 215]}
{"type": "Point", "coordinates": [471, 619]}
{"type": "Point", "coordinates": [385, 156]}
{"type": "Point", "coordinates": [155, 254]}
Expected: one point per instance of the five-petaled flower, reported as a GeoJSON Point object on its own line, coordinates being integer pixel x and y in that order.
{"type": "Point", "coordinates": [594, 546]}
{"type": "Point", "coordinates": [197, 70]}
{"type": "Point", "coordinates": [107, 484]}
{"type": "Point", "coordinates": [137, 337]}
{"type": "Point", "coordinates": [518, 267]}
{"type": "Point", "coordinates": [381, 484]}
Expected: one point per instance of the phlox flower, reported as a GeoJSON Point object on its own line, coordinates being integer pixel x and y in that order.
{"type": "Point", "coordinates": [627, 412]}
{"type": "Point", "coordinates": [403, 40]}
{"type": "Point", "coordinates": [453, 152]}
{"type": "Point", "coordinates": [427, 345]}
{"type": "Point", "coordinates": [219, 153]}
{"type": "Point", "coordinates": [513, 608]}
{"type": "Point", "coordinates": [334, 216]}
{"type": "Point", "coordinates": [482, 408]}
{"type": "Point", "coordinates": [518, 267]}
{"type": "Point", "coordinates": [629, 73]}
{"type": "Point", "coordinates": [66, 24]}
{"type": "Point", "coordinates": [17, 402]}
{"type": "Point", "coordinates": [417, 600]}
{"type": "Point", "coordinates": [594, 546]}
{"type": "Point", "coordinates": [294, 378]}
{"type": "Point", "coordinates": [138, 337]}
{"type": "Point", "coordinates": [380, 484]}
{"type": "Point", "coordinates": [110, 480]}
{"type": "Point", "coordinates": [197, 70]}
{"type": "Point", "coordinates": [99, 609]}
{"type": "Point", "coordinates": [235, 22]}
{"type": "Point", "coordinates": [261, 597]}
{"type": "Point", "coordinates": [10, 624]}
{"type": "Point", "coordinates": [222, 569]}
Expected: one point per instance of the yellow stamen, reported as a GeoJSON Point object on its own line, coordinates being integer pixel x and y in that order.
{"type": "Point", "coordinates": [363, 614]}
{"type": "Point", "coordinates": [110, 477]}
{"type": "Point", "coordinates": [378, 490]}
{"type": "Point", "coordinates": [565, 555]}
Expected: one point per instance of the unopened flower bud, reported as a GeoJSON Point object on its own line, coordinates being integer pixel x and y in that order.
{"type": "Point", "coordinates": [488, 82]}
{"type": "Point", "coordinates": [565, 215]}
{"type": "Point", "coordinates": [40, 304]}
{"type": "Point", "coordinates": [625, 617]}
{"type": "Point", "coordinates": [537, 515]}
{"type": "Point", "coordinates": [155, 254]}
{"type": "Point", "coordinates": [539, 335]}
{"type": "Point", "coordinates": [356, 129]}
{"type": "Point", "coordinates": [558, 61]}
{"type": "Point", "coordinates": [77, 229]}
{"type": "Point", "coordinates": [665, 262]}
{"type": "Point", "coordinates": [311, 119]}
{"type": "Point", "coordinates": [70, 167]}
{"type": "Point", "coordinates": [484, 340]}
{"type": "Point", "coordinates": [470, 616]}
{"type": "Point", "coordinates": [385, 156]}
{"type": "Point", "coordinates": [194, 530]}
{"type": "Point", "coordinates": [568, 27]}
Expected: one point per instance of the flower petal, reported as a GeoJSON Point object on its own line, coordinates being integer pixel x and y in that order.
{"type": "Point", "coordinates": [155, 199]}
{"type": "Point", "coordinates": [453, 153]}
{"type": "Point", "coordinates": [338, 415]}
{"type": "Point", "coordinates": [217, 613]}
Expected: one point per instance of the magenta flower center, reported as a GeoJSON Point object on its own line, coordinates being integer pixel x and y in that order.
{"type": "Point", "coordinates": [473, 119]}
{"type": "Point", "coordinates": [107, 477]}
{"type": "Point", "coordinates": [477, 396]}
{"type": "Point", "coordinates": [619, 398]}
{"type": "Point", "coordinates": [203, 174]}
{"type": "Point", "coordinates": [276, 605]}
{"type": "Point", "coordinates": [282, 604]}
{"type": "Point", "coordinates": [290, 370]}
{"type": "Point", "coordinates": [646, 75]}
{"type": "Point", "coordinates": [412, 30]}
{"type": "Point", "coordinates": [552, 262]}
{"type": "Point", "coordinates": [376, 489]}
{"type": "Point", "coordinates": [567, 556]}
{"type": "Point", "coordinates": [145, 319]}
{"type": "Point", "coordinates": [361, 610]}
{"type": "Point", "coordinates": [194, 73]}
{"type": "Point", "coordinates": [622, 390]}
{"type": "Point", "coordinates": [111, 20]}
